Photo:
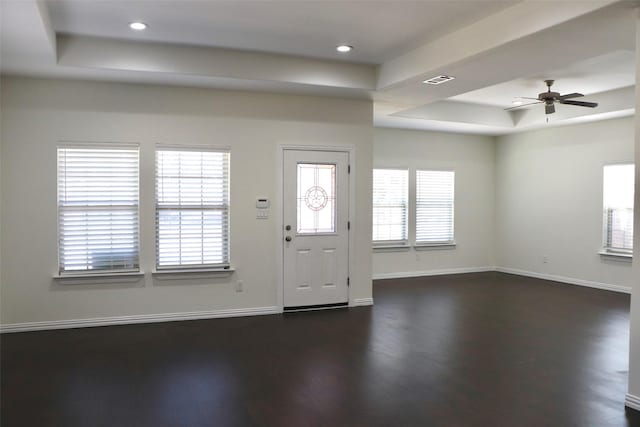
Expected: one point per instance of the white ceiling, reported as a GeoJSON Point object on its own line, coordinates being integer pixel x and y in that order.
{"type": "Point", "coordinates": [600, 74]}
{"type": "Point", "coordinates": [379, 30]}
{"type": "Point", "coordinates": [497, 50]}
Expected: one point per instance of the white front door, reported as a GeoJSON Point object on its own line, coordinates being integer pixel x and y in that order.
{"type": "Point", "coordinates": [315, 235]}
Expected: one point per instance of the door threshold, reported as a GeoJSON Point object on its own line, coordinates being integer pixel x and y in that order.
{"type": "Point", "coordinates": [299, 308]}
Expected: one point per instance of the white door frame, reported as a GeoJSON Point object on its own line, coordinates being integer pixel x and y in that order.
{"type": "Point", "coordinates": [279, 211]}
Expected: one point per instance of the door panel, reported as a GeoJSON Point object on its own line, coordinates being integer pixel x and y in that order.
{"type": "Point", "coordinates": [316, 239]}
{"type": "Point", "coordinates": [303, 269]}
{"type": "Point", "coordinates": [329, 264]}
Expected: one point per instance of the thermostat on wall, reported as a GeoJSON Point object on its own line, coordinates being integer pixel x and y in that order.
{"type": "Point", "coordinates": [262, 203]}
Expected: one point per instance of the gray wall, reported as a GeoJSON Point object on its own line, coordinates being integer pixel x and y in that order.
{"type": "Point", "coordinates": [36, 114]}
{"type": "Point", "coordinates": [549, 201]}
{"type": "Point", "coordinates": [520, 199]}
{"type": "Point", "coordinates": [473, 159]}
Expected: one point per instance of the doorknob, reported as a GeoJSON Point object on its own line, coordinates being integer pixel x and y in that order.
{"type": "Point", "coordinates": [288, 238]}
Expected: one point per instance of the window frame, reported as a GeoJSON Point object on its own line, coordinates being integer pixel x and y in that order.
{"type": "Point", "coordinates": [608, 250]}
{"type": "Point", "coordinates": [89, 273]}
{"type": "Point", "coordinates": [424, 244]}
{"type": "Point", "coordinates": [401, 243]}
{"type": "Point", "coordinates": [177, 270]}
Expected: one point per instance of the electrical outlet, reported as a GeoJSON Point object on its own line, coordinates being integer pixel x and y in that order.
{"type": "Point", "coordinates": [239, 286]}
{"type": "Point", "coordinates": [545, 259]}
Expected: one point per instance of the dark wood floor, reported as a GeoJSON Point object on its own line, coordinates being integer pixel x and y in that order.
{"type": "Point", "coordinates": [485, 349]}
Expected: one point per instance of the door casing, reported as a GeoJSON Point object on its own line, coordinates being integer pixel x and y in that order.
{"type": "Point", "coordinates": [350, 149]}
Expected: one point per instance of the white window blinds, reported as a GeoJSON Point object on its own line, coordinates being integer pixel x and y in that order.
{"type": "Point", "coordinates": [192, 208]}
{"type": "Point", "coordinates": [97, 208]}
{"type": "Point", "coordinates": [618, 196]}
{"type": "Point", "coordinates": [434, 207]}
{"type": "Point", "coordinates": [390, 205]}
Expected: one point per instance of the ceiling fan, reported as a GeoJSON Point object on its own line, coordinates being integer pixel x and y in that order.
{"type": "Point", "coordinates": [550, 98]}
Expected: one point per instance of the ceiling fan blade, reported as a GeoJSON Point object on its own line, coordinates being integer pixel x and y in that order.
{"type": "Point", "coordinates": [549, 109]}
{"type": "Point", "coordinates": [580, 103]}
{"type": "Point", "coordinates": [569, 95]}
{"type": "Point", "coordinates": [526, 97]}
{"type": "Point", "coordinates": [523, 105]}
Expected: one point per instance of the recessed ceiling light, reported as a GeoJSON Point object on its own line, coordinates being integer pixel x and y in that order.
{"type": "Point", "coordinates": [138, 26]}
{"type": "Point", "coordinates": [517, 102]}
{"type": "Point", "coordinates": [344, 48]}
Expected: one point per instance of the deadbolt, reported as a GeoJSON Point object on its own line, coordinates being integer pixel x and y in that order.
{"type": "Point", "coordinates": [288, 238]}
{"type": "Point", "coordinates": [288, 227]}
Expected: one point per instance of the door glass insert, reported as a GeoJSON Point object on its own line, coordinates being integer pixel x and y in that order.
{"type": "Point", "coordinates": [316, 198]}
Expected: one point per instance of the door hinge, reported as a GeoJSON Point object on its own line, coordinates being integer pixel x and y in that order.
{"type": "Point", "coordinates": [348, 225]}
{"type": "Point", "coordinates": [348, 281]}
{"type": "Point", "coordinates": [349, 169]}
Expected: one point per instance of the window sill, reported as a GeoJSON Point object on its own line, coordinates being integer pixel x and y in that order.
{"type": "Point", "coordinates": [192, 274]}
{"type": "Point", "coordinates": [435, 246]}
{"type": "Point", "coordinates": [391, 248]}
{"type": "Point", "coordinates": [99, 278]}
{"type": "Point", "coordinates": [618, 256]}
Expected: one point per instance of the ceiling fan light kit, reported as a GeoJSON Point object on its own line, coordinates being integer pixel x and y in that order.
{"type": "Point", "coordinates": [549, 99]}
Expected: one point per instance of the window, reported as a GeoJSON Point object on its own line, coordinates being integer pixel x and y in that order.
{"type": "Point", "coordinates": [434, 207]}
{"type": "Point", "coordinates": [97, 208]}
{"type": "Point", "coordinates": [192, 208]}
{"type": "Point", "coordinates": [618, 208]}
{"type": "Point", "coordinates": [390, 201]}
{"type": "Point", "coordinates": [316, 198]}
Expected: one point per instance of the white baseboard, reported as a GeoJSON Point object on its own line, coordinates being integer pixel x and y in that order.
{"type": "Point", "coordinates": [563, 279]}
{"type": "Point", "coordinates": [144, 318]}
{"type": "Point", "coordinates": [632, 402]}
{"type": "Point", "coordinates": [256, 311]}
{"type": "Point", "coordinates": [405, 274]}
{"type": "Point", "coordinates": [362, 301]}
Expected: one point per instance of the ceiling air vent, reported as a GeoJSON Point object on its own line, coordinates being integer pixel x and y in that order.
{"type": "Point", "coordinates": [438, 80]}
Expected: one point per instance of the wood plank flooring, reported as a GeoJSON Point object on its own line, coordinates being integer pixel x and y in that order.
{"type": "Point", "coordinates": [486, 350]}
